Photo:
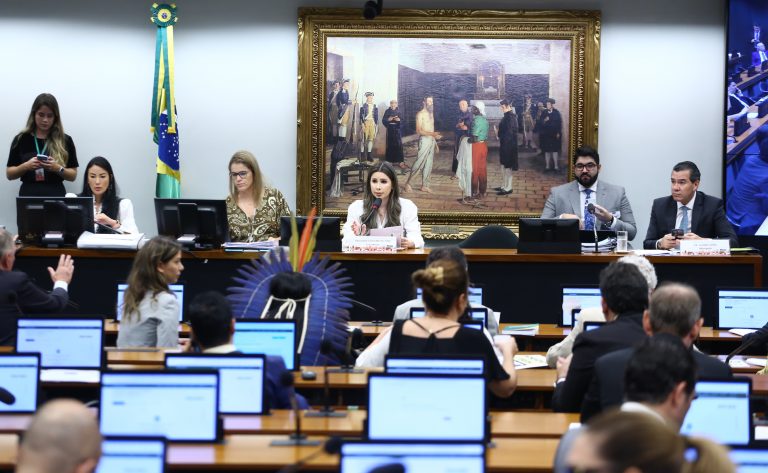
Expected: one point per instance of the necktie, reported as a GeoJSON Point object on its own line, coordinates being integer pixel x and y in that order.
{"type": "Point", "coordinates": [589, 219]}
{"type": "Point", "coordinates": [684, 220]}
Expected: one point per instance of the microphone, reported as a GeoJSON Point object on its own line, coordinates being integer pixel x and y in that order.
{"type": "Point", "coordinates": [591, 209]}
{"type": "Point", "coordinates": [332, 446]}
{"type": "Point", "coordinates": [354, 339]}
{"type": "Point", "coordinates": [296, 438]}
{"type": "Point", "coordinates": [760, 336]}
{"type": "Point", "coordinates": [374, 207]}
{"type": "Point", "coordinates": [6, 397]}
{"type": "Point", "coordinates": [326, 349]}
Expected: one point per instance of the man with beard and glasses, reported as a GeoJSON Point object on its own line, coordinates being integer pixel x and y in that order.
{"type": "Point", "coordinates": [571, 200]}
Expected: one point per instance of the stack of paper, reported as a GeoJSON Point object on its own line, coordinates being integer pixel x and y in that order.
{"type": "Point", "coordinates": [527, 330]}
{"type": "Point", "coordinates": [107, 241]}
{"type": "Point", "coordinates": [251, 246]}
{"type": "Point", "coordinates": [530, 361]}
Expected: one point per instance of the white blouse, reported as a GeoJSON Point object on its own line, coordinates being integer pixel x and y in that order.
{"type": "Point", "coordinates": [124, 215]}
{"type": "Point", "coordinates": [409, 219]}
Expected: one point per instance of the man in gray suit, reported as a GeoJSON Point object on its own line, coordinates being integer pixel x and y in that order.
{"type": "Point", "coordinates": [571, 200]}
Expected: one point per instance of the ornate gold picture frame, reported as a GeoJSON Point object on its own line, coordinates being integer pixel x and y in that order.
{"type": "Point", "coordinates": [545, 64]}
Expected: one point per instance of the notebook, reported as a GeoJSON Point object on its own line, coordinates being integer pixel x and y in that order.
{"type": "Point", "coordinates": [71, 349]}
{"type": "Point", "coordinates": [405, 407]}
{"type": "Point", "coordinates": [363, 457]}
{"type": "Point", "coordinates": [474, 298]}
{"type": "Point", "coordinates": [132, 455]}
{"type": "Point", "coordinates": [180, 406]}
{"type": "Point", "coordinates": [20, 376]}
{"type": "Point", "coordinates": [434, 364]}
{"type": "Point", "coordinates": [578, 298]}
{"type": "Point", "coordinates": [721, 411]}
{"type": "Point", "coordinates": [177, 289]}
{"type": "Point", "coordinates": [750, 459]}
{"type": "Point", "coordinates": [741, 308]}
{"type": "Point", "coordinates": [268, 337]}
{"type": "Point", "coordinates": [242, 378]}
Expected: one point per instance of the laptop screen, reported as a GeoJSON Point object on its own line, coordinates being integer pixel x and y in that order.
{"type": "Point", "coordinates": [475, 324]}
{"type": "Point", "coordinates": [132, 455]}
{"type": "Point", "coordinates": [363, 457]}
{"type": "Point", "coordinates": [62, 343]}
{"type": "Point", "coordinates": [406, 407]}
{"type": "Point", "coordinates": [589, 326]}
{"type": "Point", "coordinates": [268, 337]}
{"type": "Point", "coordinates": [479, 314]}
{"type": "Point", "coordinates": [434, 365]}
{"type": "Point", "coordinates": [20, 375]}
{"type": "Point", "coordinates": [750, 460]}
{"type": "Point", "coordinates": [721, 412]}
{"type": "Point", "coordinates": [578, 298]}
{"type": "Point", "coordinates": [742, 308]}
{"type": "Point", "coordinates": [475, 295]}
{"type": "Point", "coordinates": [241, 379]}
{"type": "Point", "coordinates": [180, 406]}
{"type": "Point", "coordinates": [177, 289]}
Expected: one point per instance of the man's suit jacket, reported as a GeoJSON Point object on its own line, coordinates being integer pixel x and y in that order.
{"type": "Point", "coordinates": [19, 295]}
{"type": "Point", "coordinates": [624, 332]}
{"type": "Point", "coordinates": [708, 219]}
{"type": "Point", "coordinates": [607, 387]}
{"type": "Point", "coordinates": [565, 199]}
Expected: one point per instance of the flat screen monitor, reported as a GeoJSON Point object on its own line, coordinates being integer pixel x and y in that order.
{"type": "Point", "coordinates": [589, 326]}
{"type": "Point", "coordinates": [20, 376]}
{"type": "Point", "coordinates": [132, 455]}
{"type": "Point", "coordinates": [475, 296]}
{"type": "Point", "coordinates": [177, 289]}
{"type": "Point", "coordinates": [180, 406]}
{"type": "Point", "coordinates": [364, 457]}
{"type": "Point", "coordinates": [53, 221]}
{"type": "Point", "coordinates": [398, 408]}
{"type": "Point", "coordinates": [750, 459]}
{"type": "Point", "coordinates": [549, 235]}
{"type": "Point", "coordinates": [433, 364]}
{"type": "Point", "coordinates": [741, 308]}
{"type": "Point", "coordinates": [578, 298]}
{"type": "Point", "coordinates": [242, 379]}
{"type": "Point", "coordinates": [268, 337]}
{"type": "Point", "coordinates": [473, 324]}
{"type": "Point", "coordinates": [196, 223]}
{"type": "Point", "coordinates": [479, 314]}
{"type": "Point", "coordinates": [328, 235]}
{"type": "Point", "coordinates": [721, 411]}
{"type": "Point", "coordinates": [73, 343]}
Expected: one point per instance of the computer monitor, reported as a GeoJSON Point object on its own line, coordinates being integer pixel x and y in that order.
{"type": "Point", "coordinates": [365, 456]}
{"type": "Point", "coordinates": [132, 455]}
{"type": "Point", "coordinates": [750, 459]}
{"type": "Point", "coordinates": [418, 312]}
{"type": "Point", "coordinates": [578, 298]}
{"type": "Point", "coordinates": [475, 297]}
{"type": "Point", "coordinates": [53, 221]}
{"type": "Point", "coordinates": [242, 378]}
{"type": "Point", "coordinates": [268, 337]}
{"type": "Point", "coordinates": [195, 223]}
{"type": "Point", "coordinates": [741, 308]}
{"type": "Point", "coordinates": [549, 235]}
{"type": "Point", "coordinates": [589, 326]}
{"type": "Point", "coordinates": [405, 407]}
{"type": "Point", "coordinates": [20, 376]}
{"type": "Point", "coordinates": [475, 313]}
{"type": "Point", "coordinates": [73, 343]}
{"type": "Point", "coordinates": [182, 406]}
{"type": "Point", "coordinates": [721, 411]}
{"type": "Point", "coordinates": [177, 289]}
{"type": "Point", "coordinates": [473, 324]}
{"type": "Point", "coordinates": [434, 364]}
{"type": "Point", "coordinates": [328, 235]}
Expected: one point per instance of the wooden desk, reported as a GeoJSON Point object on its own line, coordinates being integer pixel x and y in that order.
{"type": "Point", "coordinates": [112, 327]}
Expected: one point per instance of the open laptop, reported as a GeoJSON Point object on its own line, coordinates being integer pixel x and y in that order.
{"type": "Point", "coordinates": [576, 298]}
{"type": "Point", "coordinates": [71, 349]}
{"type": "Point", "coordinates": [242, 378]}
{"type": "Point", "coordinates": [404, 407]}
{"type": "Point", "coordinates": [132, 455]}
{"type": "Point", "coordinates": [177, 289]}
{"type": "Point", "coordinates": [268, 337]}
{"type": "Point", "coordinates": [475, 295]}
{"type": "Point", "coordinates": [721, 411]}
{"type": "Point", "coordinates": [741, 308]}
{"type": "Point", "coordinates": [749, 459]}
{"type": "Point", "coordinates": [434, 364]}
{"type": "Point", "coordinates": [20, 376]}
{"type": "Point", "coordinates": [182, 406]}
{"type": "Point", "coordinates": [364, 456]}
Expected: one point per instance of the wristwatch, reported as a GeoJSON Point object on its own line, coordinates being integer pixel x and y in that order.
{"type": "Point", "coordinates": [61, 171]}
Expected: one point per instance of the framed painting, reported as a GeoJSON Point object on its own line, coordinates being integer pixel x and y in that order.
{"type": "Point", "coordinates": [478, 111]}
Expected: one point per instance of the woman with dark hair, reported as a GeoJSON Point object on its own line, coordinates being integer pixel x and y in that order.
{"type": "Point", "coordinates": [393, 210]}
{"type": "Point", "coordinates": [42, 155]}
{"type": "Point", "coordinates": [109, 210]}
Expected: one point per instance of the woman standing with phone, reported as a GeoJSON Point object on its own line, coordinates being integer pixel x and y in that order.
{"type": "Point", "coordinates": [42, 155]}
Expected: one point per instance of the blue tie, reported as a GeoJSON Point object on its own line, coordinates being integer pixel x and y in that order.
{"type": "Point", "coordinates": [684, 220]}
{"type": "Point", "coordinates": [589, 219]}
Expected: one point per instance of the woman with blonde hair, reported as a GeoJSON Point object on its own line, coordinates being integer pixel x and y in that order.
{"type": "Point", "coordinates": [42, 155]}
{"type": "Point", "coordinates": [150, 309]}
{"type": "Point", "coordinates": [253, 208]}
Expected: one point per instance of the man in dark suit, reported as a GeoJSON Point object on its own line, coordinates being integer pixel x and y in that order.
{"type": "Point", "coordinates": [674, 309]}
{"type": "Point", "coordinates": [697, 214]}
{"type": "Point", "coordinates": [624, 293]}
{"type": "Point", "coordinates": [20, 296]}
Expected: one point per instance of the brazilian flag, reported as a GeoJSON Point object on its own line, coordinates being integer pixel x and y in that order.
{"type": "Point", "coordinates": [168, 183]}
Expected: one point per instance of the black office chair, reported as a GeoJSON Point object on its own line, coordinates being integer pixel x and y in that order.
{"type": "Point", "coordinates": [492, 237]}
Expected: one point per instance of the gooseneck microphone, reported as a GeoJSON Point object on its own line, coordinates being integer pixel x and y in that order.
{"type": "Point", "coordinates": [591, 209]}
{"type": "Point", "coordinates": [326, 349]}
{"type": "Point", "coordinates": [332, 446]}
{"type": "Point", "coordinates": [374, 207]}
{"type": "Point", "coordinates": [296, 438]}
{"type": "Point", "coordinates": [760, 336]}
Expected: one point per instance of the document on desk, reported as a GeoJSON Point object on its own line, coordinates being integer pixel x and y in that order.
{"type": "Point", "coordinates": [107, 241]}
{"type": "Point", "coordinates": [530, 361]}
{"type": "Point", "coordinates": [250, 246]}
{"type": "Point", "coordinates": [527, 330]}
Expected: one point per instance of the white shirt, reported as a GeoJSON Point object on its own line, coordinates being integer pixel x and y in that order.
{"type": "Point", "coordinates": [409, 219]}
{"type": "Point", "coordinates": [124, 215]}
{"type": "Point", "coordinates": [679, 218]}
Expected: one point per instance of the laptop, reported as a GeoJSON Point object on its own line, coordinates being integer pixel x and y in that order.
{"type": "Point", "coordinates": [242, 379]}
{"type": "Point", "coordinates": [268, 337]}
{"type": "Point", "coordinates": [741, 308]}
{"type": "Point", "coordinates": [475, 296]}
{"type": "Point", "coordinates": [578, 298]}
{"type": "Point", "coordinates": [434, 364]}
{"type": "Point", "coordinates": [721, 412]}
{"type": "Point", "coordinates": [364, 456]}
{"type": "Point", "coordinates": [749, 459]}
{"type": "Point", "coordinates": [404, 407]}
{"type": "Point", "coordinates": [589, 326]}
{"type": "Point", "coordinates": [177, 289]}
{"type": "Point", "coordinates": [182, 406]}
{"type": "Point", "coordinates": [20, 376]}
{"type": "Point", "coordinates": [71, 349]}
{"type": "Point", "coordinates": [132, 455]}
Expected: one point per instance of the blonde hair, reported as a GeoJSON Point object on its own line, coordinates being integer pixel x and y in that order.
{"type": "Point", "coordinates": [144, 276]}
{"type": "Point", "coordinates": [247, 159]}
{"type": "Point", "coordinates": [57, 148]}
{"type": "Point", "coordinates": [442, 282]}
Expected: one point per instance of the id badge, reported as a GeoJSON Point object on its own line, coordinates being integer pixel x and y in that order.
{"type": "Point", "coordinates": [39, 174]}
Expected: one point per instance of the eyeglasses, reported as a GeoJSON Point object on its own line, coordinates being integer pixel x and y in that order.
{"type": "Point", "coordinates": [590, 166]}
{"type": "Point", "coordinates": [241, 175]}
